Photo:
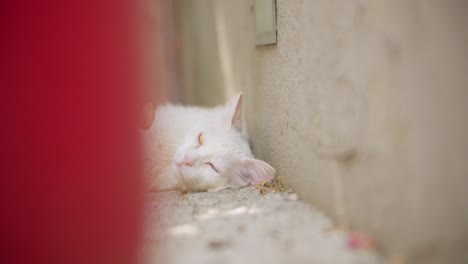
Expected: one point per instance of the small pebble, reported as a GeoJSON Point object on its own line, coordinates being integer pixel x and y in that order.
{"type": "Point", "coordinates": [219, 244]}
{"type": "Point", "coordinates": [293, 197]}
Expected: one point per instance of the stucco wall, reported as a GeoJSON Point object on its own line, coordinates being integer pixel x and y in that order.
{"type": "Point", "coordinates": [360, 106]}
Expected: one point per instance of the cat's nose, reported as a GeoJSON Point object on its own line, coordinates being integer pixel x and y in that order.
{"type": "Point", "coordinates": [185, 162]}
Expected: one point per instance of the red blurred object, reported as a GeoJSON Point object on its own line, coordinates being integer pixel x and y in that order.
{"type": "Point", "coordinates": [70, 190]}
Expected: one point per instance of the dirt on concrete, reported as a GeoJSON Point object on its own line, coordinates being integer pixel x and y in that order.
{"type": "Point", "coordinates": [243, 226]}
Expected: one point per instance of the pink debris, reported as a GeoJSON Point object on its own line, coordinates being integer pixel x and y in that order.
{"type": "Point", "coordinates": [358, 241]}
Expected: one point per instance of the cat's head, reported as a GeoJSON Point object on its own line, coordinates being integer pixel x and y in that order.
{"type": "Point", "coordinates": [216, 154]}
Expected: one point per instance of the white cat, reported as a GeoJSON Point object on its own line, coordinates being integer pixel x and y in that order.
{"type": "Point", "coordinates": [200, 149]}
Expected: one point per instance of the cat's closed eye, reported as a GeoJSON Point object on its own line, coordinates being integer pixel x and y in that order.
{"type": "Point", "coordinates": [212, 166]}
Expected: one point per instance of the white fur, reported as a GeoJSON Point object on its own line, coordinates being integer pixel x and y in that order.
{"type": "Point", "coordinates": [173, 139]}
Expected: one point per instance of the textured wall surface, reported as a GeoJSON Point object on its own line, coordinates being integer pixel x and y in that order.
{"type": "Point", "coordinates": [361, 106]}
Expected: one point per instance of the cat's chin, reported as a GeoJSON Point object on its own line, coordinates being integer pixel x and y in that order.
{"type": "Point", "coordinates": [179, 173]}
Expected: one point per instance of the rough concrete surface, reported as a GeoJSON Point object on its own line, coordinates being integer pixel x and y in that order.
{"type": "Point", "coordinates": [242, 226]}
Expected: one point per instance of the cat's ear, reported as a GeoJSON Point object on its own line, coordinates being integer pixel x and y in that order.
{"type": "Point", "coordinates": [234, 112]}
{"type": "Point", "coordinates": [250, 172]}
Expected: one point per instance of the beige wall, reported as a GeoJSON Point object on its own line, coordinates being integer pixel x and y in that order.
{"type": "Point", "coordinates": [361, 106]}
